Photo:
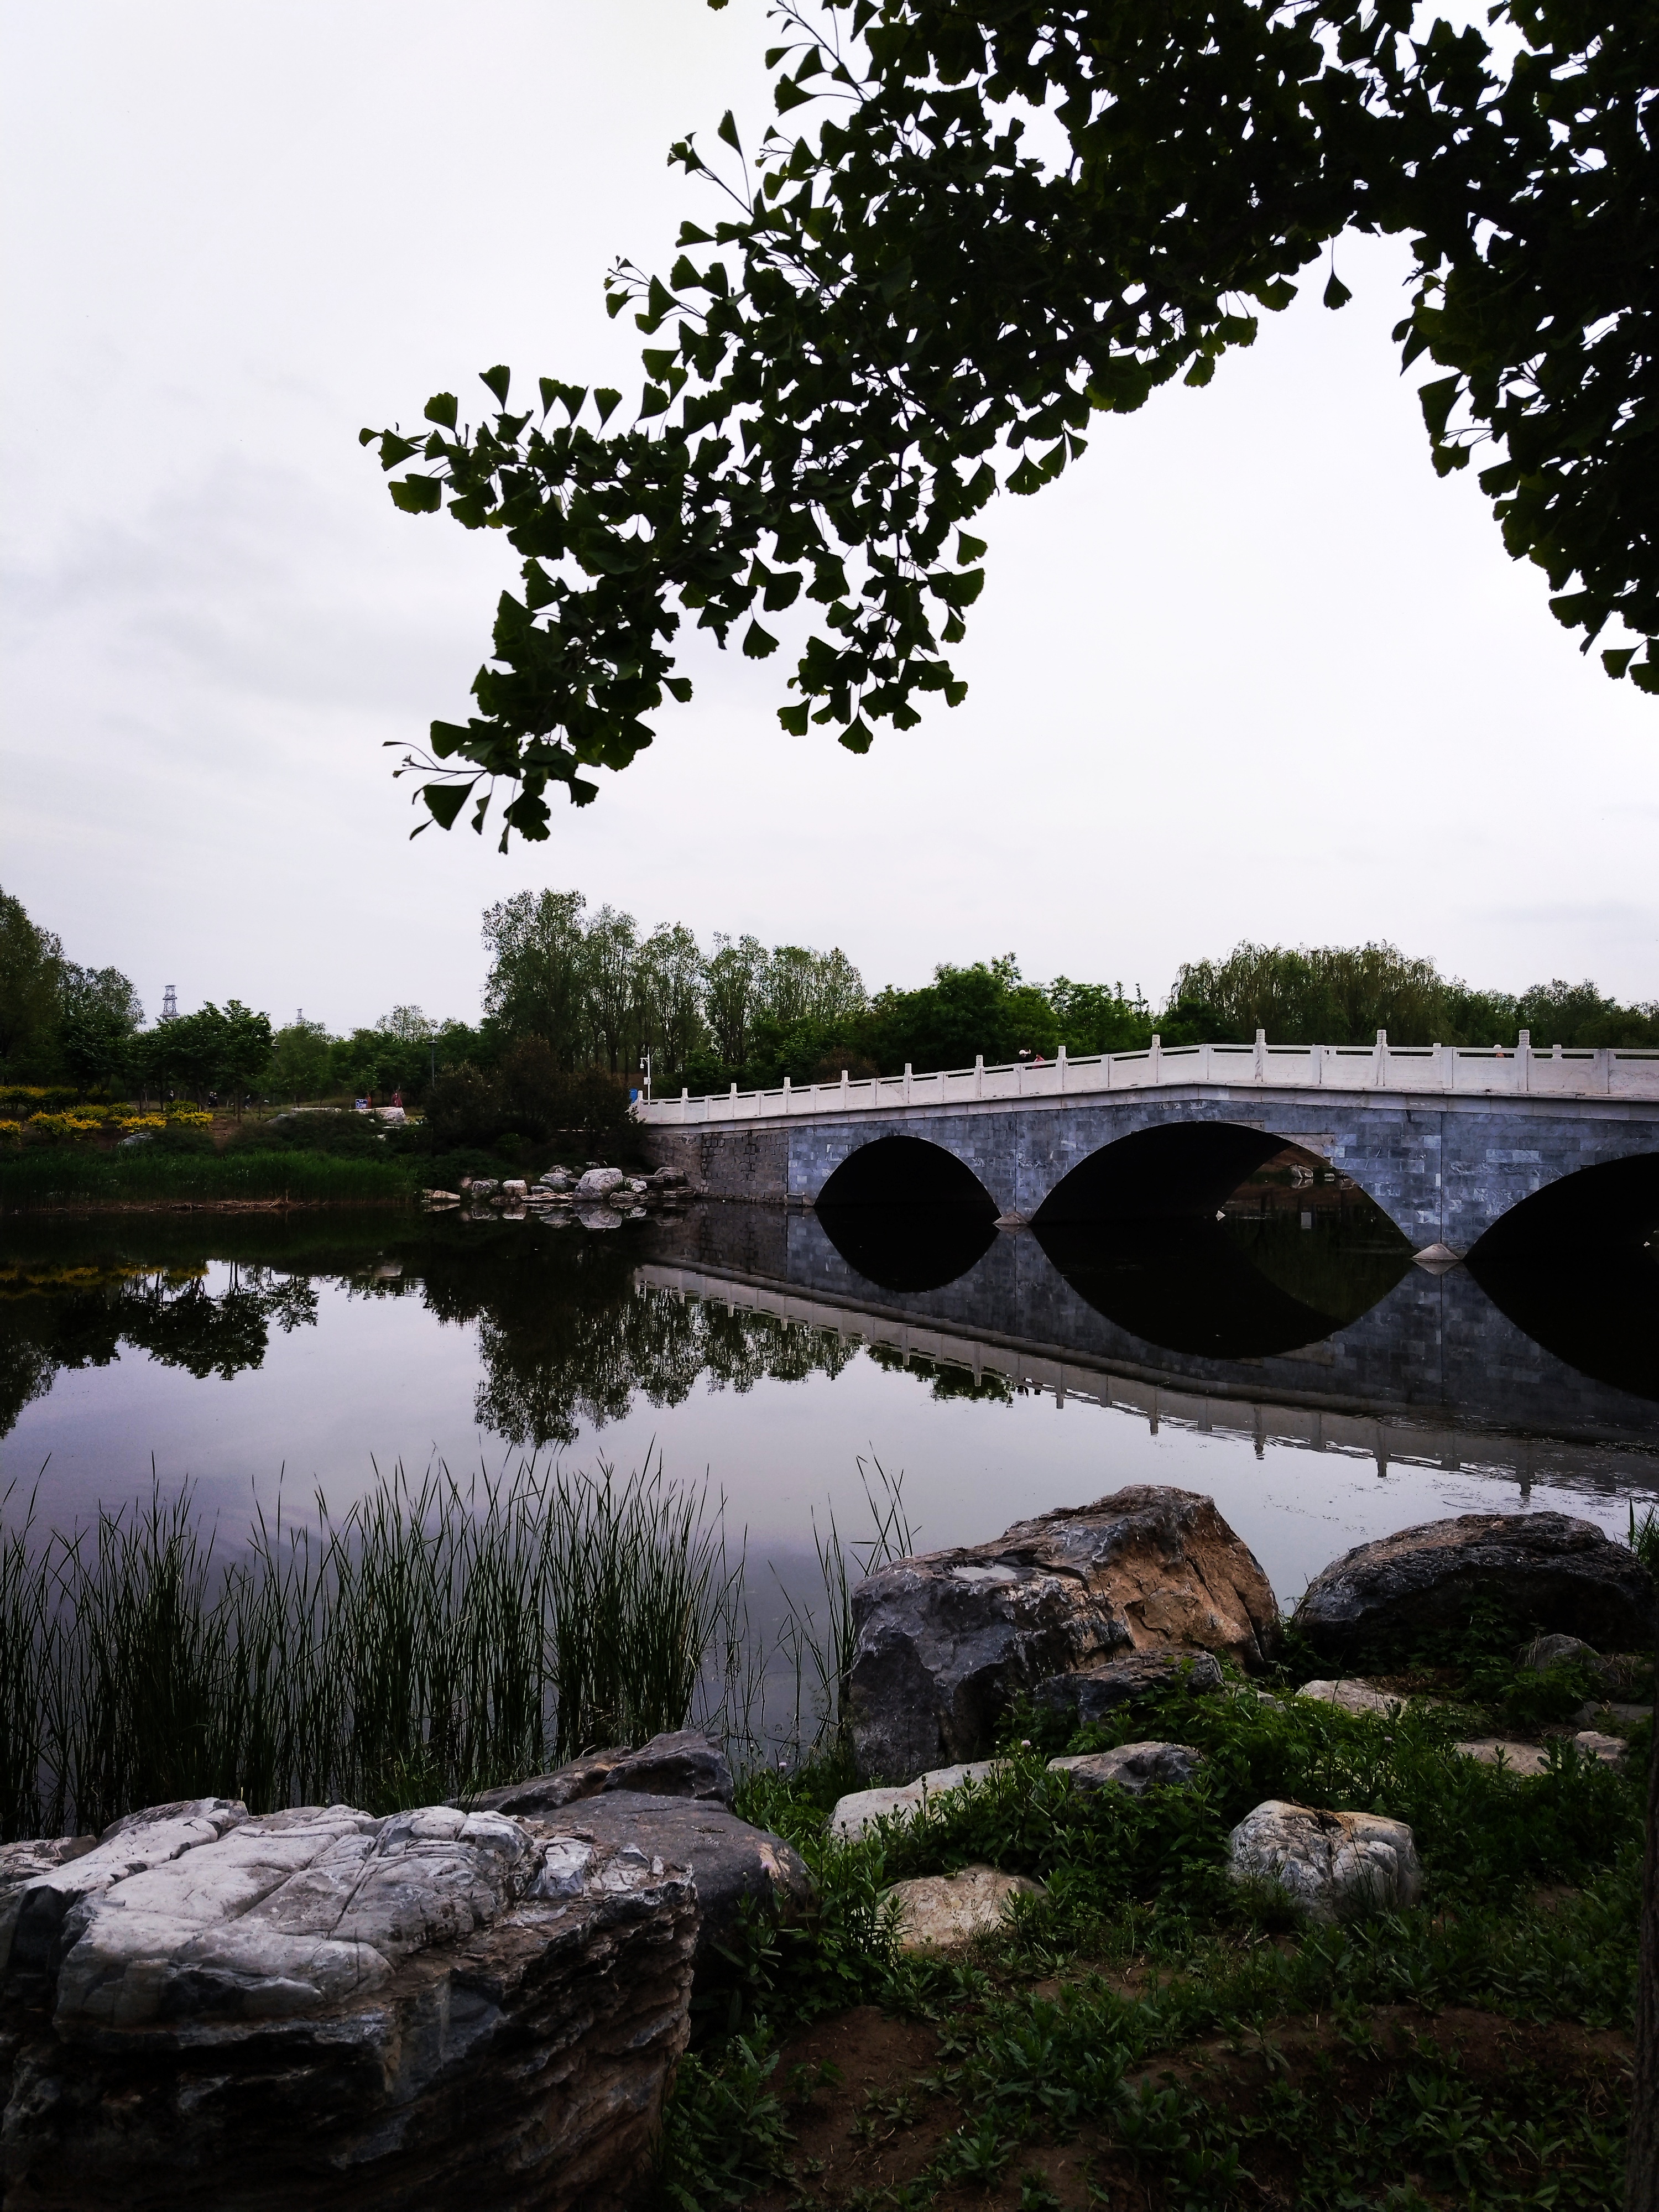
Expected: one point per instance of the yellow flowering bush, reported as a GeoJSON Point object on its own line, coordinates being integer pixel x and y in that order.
{"type": "Point", "coordinates": [130, 1124]}
{"type": "Point", "coordinates": [11, 1133]}
{"type": "Point", "coordinates": [64, 1127]}
{"type": "Point", "coordinates": [187, 1117]}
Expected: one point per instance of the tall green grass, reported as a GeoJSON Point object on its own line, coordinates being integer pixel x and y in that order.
{"type": "Point", "coordinates": [432, 1641]}
{"type": "Point", "coordinates": [46, 1178]}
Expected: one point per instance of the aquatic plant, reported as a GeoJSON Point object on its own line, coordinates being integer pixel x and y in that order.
{"type": "Point", "coordinates": [433, 1639]}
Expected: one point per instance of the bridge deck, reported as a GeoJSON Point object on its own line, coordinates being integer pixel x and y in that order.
{"type": "Point", "coordinates": [1433, 1070]}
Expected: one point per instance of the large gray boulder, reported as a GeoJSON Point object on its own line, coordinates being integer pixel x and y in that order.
{"type": "Point", "coordinates": [321, 2008]}
{"type": "Point", "coordinates": [1547, 1571]}
{"type": "Point", "coordinates": [728, 1860]}
{"type": "Point", "coordinates": [945, 1642]}
{"type": "Point", "coordinates": [672, 1799]}
{"type": "Point", "coordinates": [597, 1184]}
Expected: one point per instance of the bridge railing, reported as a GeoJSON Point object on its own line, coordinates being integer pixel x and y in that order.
{"type": "Point", "coordinates": [1462, 1070]}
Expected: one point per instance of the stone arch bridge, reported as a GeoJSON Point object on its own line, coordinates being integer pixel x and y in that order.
{"type": "Point", "coordinates": [1453, 1144]}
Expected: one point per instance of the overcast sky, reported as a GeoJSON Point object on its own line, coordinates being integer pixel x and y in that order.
{"type": "Point", "coordinates": [1250, 671]}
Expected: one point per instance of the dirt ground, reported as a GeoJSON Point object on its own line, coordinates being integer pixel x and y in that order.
{"type": "Point", "coordinates": [884, 2118]}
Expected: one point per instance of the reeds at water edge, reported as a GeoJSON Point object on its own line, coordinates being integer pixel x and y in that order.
{"type": "Point", "coordinates": [433, 1640]}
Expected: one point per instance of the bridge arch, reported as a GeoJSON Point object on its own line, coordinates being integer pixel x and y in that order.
{"type": "Point", "coordinates": [1142, 1232]}
{"type": "Point", "coordinates": [1612, 1205]}
{"type": "Point", "coordinates": [908, 1215]}
{"type": "Point", "coordinates": [1171, 1170]}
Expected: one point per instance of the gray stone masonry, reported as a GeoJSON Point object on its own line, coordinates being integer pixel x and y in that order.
{"type": "Point", "coordinates": [1444, 1169]}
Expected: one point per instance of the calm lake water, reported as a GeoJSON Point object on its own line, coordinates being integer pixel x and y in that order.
{"type": "Point", "coordinates": [1288, 1361]}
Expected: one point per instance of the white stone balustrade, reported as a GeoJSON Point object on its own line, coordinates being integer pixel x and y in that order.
{"type": "Point", "coordinates": [1617, 1072]}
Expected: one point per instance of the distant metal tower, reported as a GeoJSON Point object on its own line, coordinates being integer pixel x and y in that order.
{"type": "Point", "coordinates": [170, 1003]}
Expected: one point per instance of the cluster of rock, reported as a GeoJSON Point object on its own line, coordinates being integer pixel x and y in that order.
{"type": "Point", "coordinates": [1088, 1610]}
{"type": "Point", "coordinates": [488, 1998]}
{"type": "Point", "coordinates": [599, 1198]}
{"type": "Point", "coordinates": [201, 2009]}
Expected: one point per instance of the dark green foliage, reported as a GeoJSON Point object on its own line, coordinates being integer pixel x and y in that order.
{"type": "Point", "coordinates": [903, 310]}
{"type": "Point", "coordinates": [39, 1180]}
{"type": "Point", "coordinates": [1344, 995]}
{"type": "Point", "coordinates": [528, 1095]}
{"type": "Point", "coordinates": [31, 978]}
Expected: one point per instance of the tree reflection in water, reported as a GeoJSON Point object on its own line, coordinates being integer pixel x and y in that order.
{"type": "Point", "coordinates": [82, 1314]}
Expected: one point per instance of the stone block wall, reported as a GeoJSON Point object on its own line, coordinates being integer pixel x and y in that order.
{"type": "Point", "coordinates": [742, 1161]}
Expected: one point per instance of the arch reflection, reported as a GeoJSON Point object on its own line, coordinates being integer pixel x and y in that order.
{"type": "Point", "coordinates": [907, 1215]}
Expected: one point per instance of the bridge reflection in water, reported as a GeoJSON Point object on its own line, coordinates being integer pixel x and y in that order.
{"type": "Point", "coordinates": [1296, 1313]}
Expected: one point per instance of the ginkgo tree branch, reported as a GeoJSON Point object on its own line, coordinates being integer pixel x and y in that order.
{"type": "Point", "coordinates": [905, 312]}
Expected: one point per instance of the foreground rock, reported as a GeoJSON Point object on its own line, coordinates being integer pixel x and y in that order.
{"type": "Point", "coordinates": [597, 1184]}
{"type": "Point", "coordinates": [1136, 1767]}
{"type": "Point", "coordinates": [680, 1763]}
{"type": "Point", "coordinates": [729, 1861]}
{"type": "Point", "coordinates": [941, 1912]}
{"type": "Point", "coordinates": [862, 1808]}
{"type": "Point", "coordinates": [1548, 1571]}
{"type": "Point", "coordinates": [320, 2007]}
{"type": "Point", "coordinates": [945, 1642]}
{"type": "Point", "coordinates": [672, 1800]}
{"type": "Point", "coordinates": [1333, 1866]}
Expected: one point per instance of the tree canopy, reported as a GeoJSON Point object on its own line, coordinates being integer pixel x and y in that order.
{"type": "Point", "coordinates": [909, 305]}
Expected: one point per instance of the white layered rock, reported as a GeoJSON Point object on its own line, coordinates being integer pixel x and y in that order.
{"type": "Point", "coordinates": [322, 2007]}
{"type": "Point", "coordinates": [1334, 1866]}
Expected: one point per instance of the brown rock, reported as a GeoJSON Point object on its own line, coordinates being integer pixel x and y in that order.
{"type": "Point", "coordinates": [941, 1912]}
{"type": "Point", "coordinates": [945, 1642]}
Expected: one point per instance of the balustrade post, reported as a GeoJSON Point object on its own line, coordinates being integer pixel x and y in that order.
{"type": "Point", "coordinates": [1523, 1060]}
{"type": "Point", "coordinates": [786, 1094]}
{"type": "Point", "coordinates": [1155, 1057]}
{"type": "Point", "coordinates": [1261, 1056]}
{"type": "Point", "coordinates": [1061, 1064]}
{"type": "Point", "coordinates": [979, 1075]}
{"type": "Point", "coordinates": [685, 1109]}
{"type": "Point", "coordinates": [844, 1086]}
{"type": "Point", "coordinates": [1379, 1059]}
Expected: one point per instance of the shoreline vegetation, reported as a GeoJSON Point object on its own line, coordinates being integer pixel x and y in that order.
{"type": "Point", "coordinates": [1144, 2031]}
{"type": "Point", "coordinates": [62, 1180]}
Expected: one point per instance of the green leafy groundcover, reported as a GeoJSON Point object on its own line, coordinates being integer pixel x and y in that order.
{"type": "Point", "coordinates": [1531, 1912]}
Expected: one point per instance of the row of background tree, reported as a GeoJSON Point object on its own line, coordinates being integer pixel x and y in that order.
{"type": "Point", "coordinates": [572, 991]}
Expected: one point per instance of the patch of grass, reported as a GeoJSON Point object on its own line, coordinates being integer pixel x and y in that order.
{"type": "Point", "coordinates": [1193, 2040]}
{"type": "Point", "coordinates": [42, 1181]}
